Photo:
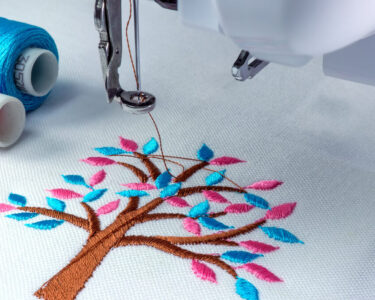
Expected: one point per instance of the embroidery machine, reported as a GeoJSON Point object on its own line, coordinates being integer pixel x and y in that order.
{"type": "Point", "coordinates": [288, 32]}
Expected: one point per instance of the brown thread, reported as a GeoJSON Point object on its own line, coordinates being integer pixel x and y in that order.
{"type": "Point", "coordinates": [224, 243]}
{"type": "Point", "coordinates": [137, 82]}
{"type": "Point", "coordinates": [152, 169]}
{"type": "Point", "coordinates": [177, 157]}
{"type": "Point", "coordinates": [137, 172]}
{"type": "Point", "coordinates": [175, 250]}
{"type": "Point", "coordinates": [174, 162]}
{"type": "Point", "coordinates": [193, 159]}
{"type": "Point", "coordinates": [72, 219]}
{"type": "Point", "coordinates": [198, 189]}
{"type": "Point", "coordinates": [219, 214]}
{"type": "Point", "coordinates": [151, 156]}
{"type": "Point", "coordinates": [226, 177]}
{"type": "Point", "coordinates": [93, 219]}
{"type": "Point", "coordinates": [161, 144]}
{"type": "Point", "coordinates": [160, 216]}
{"type": "Point", "coordinates": [190, 172]}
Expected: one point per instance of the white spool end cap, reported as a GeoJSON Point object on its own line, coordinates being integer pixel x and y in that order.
{"type": "Point", "coordinates": [12, 120]}
{"type": "Point", "coordinates": [35, 72]}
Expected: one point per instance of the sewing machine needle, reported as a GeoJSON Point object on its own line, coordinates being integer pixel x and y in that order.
{"type": "Point", "coordinates": [136, 40]}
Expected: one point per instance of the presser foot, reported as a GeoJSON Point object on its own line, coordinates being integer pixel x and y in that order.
{"type": "Point", "coordinates": [136, 102]}
{"type": "Point", "coordinates": [247, 66]}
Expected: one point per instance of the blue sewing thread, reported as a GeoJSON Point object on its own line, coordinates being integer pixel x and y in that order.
{"type": "Point", "coordinates": [15, 37]}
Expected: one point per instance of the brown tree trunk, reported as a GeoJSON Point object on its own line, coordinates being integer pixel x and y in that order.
{"type": "Point", "coordinates": [67, 283]}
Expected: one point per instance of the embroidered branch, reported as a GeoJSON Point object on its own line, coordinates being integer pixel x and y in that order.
{"type": "Point", "coordinates": [92, 218]}
{"type": "Point", "coordinates": [74, 220]}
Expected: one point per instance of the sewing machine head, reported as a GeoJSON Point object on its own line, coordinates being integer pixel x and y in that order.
{"type": "Point", "coordinates": [288, 32]}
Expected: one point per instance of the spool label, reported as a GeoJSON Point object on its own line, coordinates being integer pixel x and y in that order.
{"type": "Point", "coordinates": [19, 69]}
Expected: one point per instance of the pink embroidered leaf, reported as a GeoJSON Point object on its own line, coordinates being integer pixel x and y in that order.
{"type": "Point", "coordinates": [6, 207]}
{"type": "Point", "coordinates": [63, 194]}
{"type": "Point", "coordinates": [280, 212]}
{"type": "Point", "coordinates": [203, 272]}
{"type": "Point", "coordinates": [108, 208]}
{"type": "Point", "coordinates": [128, 145]}
{"type": "Point", "coordinates": [264, 185]}
{"type": "Point", "coordinates": [225, 160]}
{"type": "Point", "coordinates": [215, 197]}
{"type": "Point", "coordinates": [99, 161]}
{"type": "Point", "coordinates": [260, 272]}
{"type": "Point", "coordinates": [238, 208]}
{"type": "Point", "coordinates": [177, 202]}
{"type": "Point", "coordinates": [192, 226]}
{"type": "Point", "coordinates": [140, 186]}
{"type": "Point", "coordinates": [97, 178]}
{"type": "Point", "coordinates": [258, 247]}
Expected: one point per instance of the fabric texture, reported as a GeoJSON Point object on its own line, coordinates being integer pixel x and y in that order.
{"type": "Point", "coordinates": [313, 134]}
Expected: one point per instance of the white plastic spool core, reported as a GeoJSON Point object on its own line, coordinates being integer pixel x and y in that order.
{"type": "Point", "coordinates": [36, 71]}
{"type": "Point", "coordinates": [12, 120]}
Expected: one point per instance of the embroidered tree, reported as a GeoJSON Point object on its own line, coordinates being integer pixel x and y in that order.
{"type": "Point", "coordinates": [198, 219]}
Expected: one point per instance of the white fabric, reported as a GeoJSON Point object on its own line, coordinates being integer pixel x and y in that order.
{"type": "Point", "coordinates": [312, 132]}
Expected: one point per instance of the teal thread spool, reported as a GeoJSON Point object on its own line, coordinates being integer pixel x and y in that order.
{"type": "Point", "coordinates": [16, 39]}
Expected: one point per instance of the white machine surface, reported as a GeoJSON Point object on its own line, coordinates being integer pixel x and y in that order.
{"type": "Point", "coordinates": [313, 132]}
{"type": "Point", "coordinates": [291, 32]}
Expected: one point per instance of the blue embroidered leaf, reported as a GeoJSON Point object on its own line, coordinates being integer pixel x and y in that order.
{"type": "Point", "coordinates": [151, 147]}
{"type": "Point", "coordinates": [17, 199]}
{"type": "Point", "coordinates": [257, 201]}
{"type": "Point", "coordinates": [215, 178]}
{"type": "Point", "coordinates": [94, 195]}
{"type": "Point", "coordinates": [75, 179]}
{"type": "Point", "coordinates": [280, 234]}
{"type": "Point", "coordinates": [205, 153]}
{"type": "Point", "coordinates": [56, 204]}
{"type": "Point", "coordinates": [170, 190]}
{"type": "Point", "coordinates": [241, 257]}
{"type": "Point", "coordinates": [163, 180]}
{"type": "Point", "coordinates": [110, 151]}
{"type": "Point", "coordinates": [45, 225]}
{"type": "Point", "coordinates": [22, 216]}
{"type": "Point", "coordinates": [200, 209]}
{"type": "Point", "coordinates": [213, 224]}
{"type": "Point", "coordinates": [246, 290]}
{"type": "Point", "coordinates": [132, 193]}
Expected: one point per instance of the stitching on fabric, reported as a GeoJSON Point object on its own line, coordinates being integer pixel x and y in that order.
{"type": "Point", "coordinates": [70, 280]}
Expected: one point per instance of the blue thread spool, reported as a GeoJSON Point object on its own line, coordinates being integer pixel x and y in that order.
{"type": "Point", "coordinates": [15, 38]}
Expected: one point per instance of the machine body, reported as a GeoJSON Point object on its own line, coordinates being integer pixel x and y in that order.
{"type": "Point", "coordinates": [292, 32]}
